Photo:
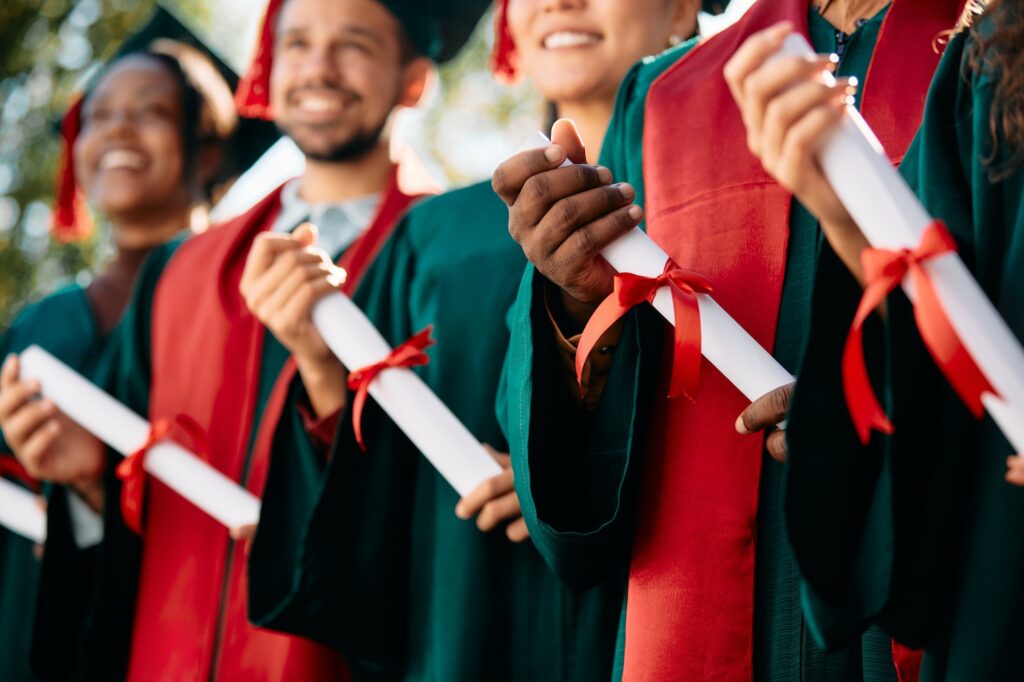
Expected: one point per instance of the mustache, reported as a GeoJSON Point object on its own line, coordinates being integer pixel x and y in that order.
{"type": "Point", "coordinates": [324, 88]}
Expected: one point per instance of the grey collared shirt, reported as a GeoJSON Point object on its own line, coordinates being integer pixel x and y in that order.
{"type": "Point", "coordinates": [339, 223]}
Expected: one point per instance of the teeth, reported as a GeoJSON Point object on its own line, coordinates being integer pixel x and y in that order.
{"type": "Point", "coordinates": [318, 105]}
{"type": "Point", "coordinates": [569, 39]}
{"type": "Point", "coordinates": [122, 158]}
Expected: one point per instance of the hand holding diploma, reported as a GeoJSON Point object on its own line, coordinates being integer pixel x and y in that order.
{"type": "Point", "coordinates": [579, 231]}
{"type": "Point", "coordinates": [91, 409]}
{"type": "Point", "coordinates": [292, 288]}
{"type": "Point", "coordinates": [49, 446]}
{"type": "Point", "coordinates": [801, 125]}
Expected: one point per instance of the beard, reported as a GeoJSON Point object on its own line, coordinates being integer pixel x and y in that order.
{"type": "Point", "coordinates": [357, 145]}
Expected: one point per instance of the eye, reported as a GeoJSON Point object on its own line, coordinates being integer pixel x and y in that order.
{"type": "Point", "coordinates": [156, 110]}
{"type": "Point", "coordinates": [355, 46]}
{"type": "Point", "coordinates": [294, 43]}
{"type": "Point", "coordinates": [96, 115]}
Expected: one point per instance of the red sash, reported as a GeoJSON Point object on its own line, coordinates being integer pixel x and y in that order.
{"type": "Point", "coordinates": [206, 354]}
{"type": "Point", "coordinates": [710, 205]}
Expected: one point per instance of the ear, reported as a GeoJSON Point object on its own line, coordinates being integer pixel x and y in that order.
{"type": "Point", "coordinates": [683, 20]}
{"type": "Point", "coordinates": [415, 77]}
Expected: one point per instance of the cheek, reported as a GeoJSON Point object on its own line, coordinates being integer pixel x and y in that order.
{"type": "Point", "coordinates": [85, 152]}
{"type": "Point", "coordinates": [165, 145]}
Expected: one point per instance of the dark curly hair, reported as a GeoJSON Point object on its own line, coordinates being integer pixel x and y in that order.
{"type": "Point", "coordinates": [997, 49]}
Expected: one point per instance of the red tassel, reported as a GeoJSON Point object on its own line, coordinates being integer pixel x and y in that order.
{"type": "Point", "coordinates": [71, 220]}
{"type": "Point", "coordinates": [504, 59]}
{"type": "Point", "coordinates": [252, 97]}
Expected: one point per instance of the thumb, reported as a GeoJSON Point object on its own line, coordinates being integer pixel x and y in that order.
{"type": "Point", "coordinates": [565, 135]}
{"type": "Point", "coordinates": [306, 234]}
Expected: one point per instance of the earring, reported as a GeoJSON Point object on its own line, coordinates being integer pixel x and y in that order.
{"type": "Point", "coordinates": [674, 39]}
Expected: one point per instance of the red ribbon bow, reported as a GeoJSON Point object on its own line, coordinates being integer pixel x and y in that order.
{"type": "Point", "coordinates": [132, 474]}
{"type": "Point", "coordinates": [884, 270]}
{"type": "Point", "coordinates": [631, 290]}
{"type": "Point", "coordinates": [409, 354]}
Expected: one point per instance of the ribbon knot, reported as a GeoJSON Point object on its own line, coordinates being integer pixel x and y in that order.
{"type": "Point", "coordinates": [884, 270]}
{"type": "Point", "coordinates": [630, 290]}
{"type": "Point", "coordinates": [408, 354]}
{"type": "Point", "coordinates": [132, 474]}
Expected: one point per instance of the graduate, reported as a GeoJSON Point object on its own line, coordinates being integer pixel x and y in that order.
{"type": "Point", "coordinates": [147, 144]}
{"type": "Point", "coordinates": [330, 72]}
{"type": "Point", "coordinates": [623, 475]}
{"type": "Point", "coordinates": [918, 530]}
{"type": "Point", "coordinates": [446, 598]}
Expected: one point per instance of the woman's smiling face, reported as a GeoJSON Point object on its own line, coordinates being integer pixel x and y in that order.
{"type": "Point", "coordinates": [575, 50]}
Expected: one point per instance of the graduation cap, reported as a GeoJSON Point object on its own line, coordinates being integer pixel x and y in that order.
{"type": "Point", "coordinates": [162, 33]}
{"type": "Point", "coordinates": [437, 28]}
{"type": "Point", "coordinates": [504, 61]}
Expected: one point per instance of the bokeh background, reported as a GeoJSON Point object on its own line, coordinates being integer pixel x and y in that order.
{"type": "Point", "coordinates": [50, 48]}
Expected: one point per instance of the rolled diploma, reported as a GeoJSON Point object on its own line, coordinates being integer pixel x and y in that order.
{"type": "Point", "coordinates": [126, 432]}
{"type": "Point", "coordinates": [891, 217]}
{"type": "Point", "coordinates": [418, 412]}
{"type": "Point", "coordinates": [725, 344]}
{"type": "Point", "coordinates": [20, 513]}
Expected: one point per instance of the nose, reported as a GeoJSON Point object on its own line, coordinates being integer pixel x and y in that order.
{"type": "Point", "coordinates": [319, 66]}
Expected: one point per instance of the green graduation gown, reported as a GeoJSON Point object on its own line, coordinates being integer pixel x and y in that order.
{"type": "Point", "coordinates": [918, 531]}
{"type": "Point", "coordinates": [63, 323]}
{"type": "Point", "coordinates": [578, 471]}
{"type": "Point", "coordinates": [364, 551]}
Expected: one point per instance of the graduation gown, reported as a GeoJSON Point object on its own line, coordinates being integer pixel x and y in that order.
{"type": "Point", "coordinates": [377, 564]}
{"type": "Point", "coordinates": [623, 485]}
{"type": "Point", "coordinates": [191, 347]}
{"type": "Point", "coordinates": [918, 531]}
{"type": "Point", "coordinates": [63, 323]}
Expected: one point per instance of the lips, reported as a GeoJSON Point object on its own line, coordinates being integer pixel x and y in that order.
{"type": "Point", "coordinates": [122, 159]}
{"type": "Point", "coordinates": [559, 40]}
{"type": "Point", "coordinates": [320, 102]}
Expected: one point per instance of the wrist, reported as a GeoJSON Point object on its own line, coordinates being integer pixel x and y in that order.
{"type": "Point", "coordinates": [325, 381]}
{"type": "Point", "coordinates": [571, 314]}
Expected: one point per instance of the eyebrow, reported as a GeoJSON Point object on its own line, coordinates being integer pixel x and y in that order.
{"type": "Point", "coordinates": [349, 29]}
{"type": "Point", "coordinates": [146, 90]}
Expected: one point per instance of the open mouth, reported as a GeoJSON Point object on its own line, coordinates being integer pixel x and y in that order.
{"type": "Point", "coordinates": [321, 103]}
{"type": "Point", "coordinates": [122, 159]}
{"type": "Point", "coordinates": [560, 40]}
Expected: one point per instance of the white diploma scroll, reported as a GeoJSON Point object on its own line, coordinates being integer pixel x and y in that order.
{"type": "Point", "coordinates": [125, 431]}
{"type": "Point", "coordinates": [891, 217]}
{"type": "Point", "coordinates": [418, 412]}
{"type": "Point", "coordinates": [20, 512]}
{"type": "Point", "coordinates": [725, 344]}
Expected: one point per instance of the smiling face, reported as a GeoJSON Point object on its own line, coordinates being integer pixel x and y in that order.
{"type": "Point", "coordinates": [130, 154]}
{"type": "Point", "coordinates": [338, 71]}
{"type": "Point", "coordinates": [578, 50]}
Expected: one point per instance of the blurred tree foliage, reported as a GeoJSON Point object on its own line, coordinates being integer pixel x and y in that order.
{"type": "Point", "coordinates": [48, 49]}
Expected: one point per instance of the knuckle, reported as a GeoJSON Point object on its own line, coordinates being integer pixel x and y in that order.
{"type": "Point", "coordinates": [585, 241]}
{"type": "Point", "coordinates": [536, 188]}
{"type": "Point", "coordinates": [565, 212]}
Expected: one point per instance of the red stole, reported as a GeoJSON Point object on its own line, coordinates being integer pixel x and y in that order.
{"type": "Point", "coordinates": [710, 205]}
{"type": "Point", "coordinates": [206, 351]}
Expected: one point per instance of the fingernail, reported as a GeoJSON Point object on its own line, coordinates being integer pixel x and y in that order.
{"type": "Point", "coordinates": [741, 427]}
{"type": "Point", "coordinates": [852, 82]}
{"type": "Point", "coordinates": [460, 511]}
{"type": "Point", "coordinates": [554, 154]}
{"type": "Point", "coordinates": [604, 175]}
{"type": "Point", "coordinates": [635, 212]}
{"type": "Point", "coordinates": [626, 191]}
